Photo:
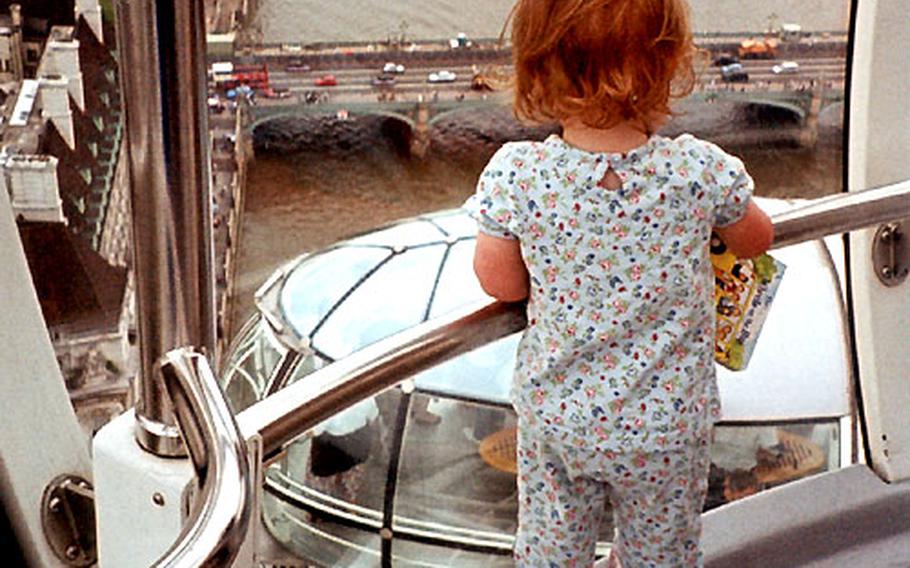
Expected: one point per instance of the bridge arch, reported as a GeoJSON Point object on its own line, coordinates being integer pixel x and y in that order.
{"type": "Point", "coordinates": [290, 112]}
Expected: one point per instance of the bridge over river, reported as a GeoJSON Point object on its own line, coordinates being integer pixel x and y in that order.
{"type": "Point", "coordinates": [419, 112]}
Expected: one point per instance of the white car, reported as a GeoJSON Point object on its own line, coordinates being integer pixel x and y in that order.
{"type": "Point", "coordinates": [442, 77]}
{"type": "Point", "coordinates": [392, 67]}
{"type": "Point", "coordinates": [786, 67]}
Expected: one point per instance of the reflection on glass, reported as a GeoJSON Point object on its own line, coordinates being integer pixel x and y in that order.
{"type": "Point", "coordinates": [327, 492]}
{"type": "Point", "coordinates": [445, 479]}
{"type": "Point", "coordinates": [401, 235]}
{"type": "Point", "coordinates": [456, 226]}
{"type": "Point", "coordinates": [748, 459]}
{"type": "Point", "coordinates": [307, 295]}
{"type": "Point", "coordinates": [483, 374]}
{"type": "Point", "coordinates": [457, 287]}
{"type": "Point", "coordinates": [250, 362]}
{"type": "Point", "coordinates": [380, 297]}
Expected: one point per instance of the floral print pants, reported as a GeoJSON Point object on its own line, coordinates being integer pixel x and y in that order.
{"type": "Point", "coordinates": [656, 500]}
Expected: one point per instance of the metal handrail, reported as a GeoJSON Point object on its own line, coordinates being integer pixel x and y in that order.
{"type": "Point", "coordinates": [170, 173]}
{"type": "Point", "coordinates": [842, 213]}
{"type": "Point", "coordinates": [282, 417]}
{"type": "Point", "coordinates": [295, 409]}
{"type": "Point", "coordinates": [285, 415]}
{"type": "Point", "coordinates": [221, 512]}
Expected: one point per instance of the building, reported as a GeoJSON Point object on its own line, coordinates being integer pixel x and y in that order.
{"type": "Point", "coordinates": [62, 163]}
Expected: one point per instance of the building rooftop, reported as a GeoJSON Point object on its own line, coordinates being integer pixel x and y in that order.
{"type": "Point", "coordinates": [78, 290]}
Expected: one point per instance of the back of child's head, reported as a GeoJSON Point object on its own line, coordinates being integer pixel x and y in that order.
{"type": "Point", "coordinates": [601, 61]}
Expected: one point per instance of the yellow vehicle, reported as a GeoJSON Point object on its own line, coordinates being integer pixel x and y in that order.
{"type": "Point", "coordinates": [758, 49]}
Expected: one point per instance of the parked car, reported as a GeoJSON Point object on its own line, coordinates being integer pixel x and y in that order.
{"type": "Point", "coordinates": [442, 77]}
{"type": "Point", "coordinates": [326, 81]}
{"type": "Point", "coordinates": [392, 67]}
{"type": "Point", "coordinates": [734, 73]}
{"type": "Point", "coordinates": [383, 80]}
{"type": "Point", "coordinates": [216, 105]}
{"type": "Point", "coordinates": [786, 67]}
{"type": "Point", "coordinates": [296, 66]}
{"type": "Point", "coordinates": [725, 59]}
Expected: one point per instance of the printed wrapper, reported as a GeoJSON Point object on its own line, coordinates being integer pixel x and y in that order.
{"type": "Point", "coordinates": [743, 292]}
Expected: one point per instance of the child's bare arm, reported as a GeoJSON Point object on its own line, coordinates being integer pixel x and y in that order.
{"type": "Point", "coordinates": [751, 235]}
{"type": "Point", "coordinates": [500, 268]}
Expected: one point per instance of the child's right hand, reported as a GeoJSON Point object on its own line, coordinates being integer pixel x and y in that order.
{"type": "Point", "coordinates": [751, 235]}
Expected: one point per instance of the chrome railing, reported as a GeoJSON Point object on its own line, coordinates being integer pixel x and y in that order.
{"type": "Point", "coordinates": [842, 213]}
{"type": "Point", "coordinates": [162, 68]}
{"type": "Point", "coordinates": [283, 416]}
{"type": "Point", "coordinates": [221, 511]}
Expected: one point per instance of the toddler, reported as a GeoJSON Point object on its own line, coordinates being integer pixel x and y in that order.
{"type": "Point", "coordinates": [606, 229]}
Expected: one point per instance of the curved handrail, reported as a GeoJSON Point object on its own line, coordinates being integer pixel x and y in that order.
{"type": "Point", "coordinates": [295, 409]}
{"type": "Point", "coordinates": [281, 417]}
{"type": "Point", "coordinates": [286, 414]}
{"type": "Point", "coordinates": [221, 514]}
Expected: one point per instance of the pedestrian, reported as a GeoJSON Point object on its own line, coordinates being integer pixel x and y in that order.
{"type": "Point", "coordinates": [605, 229]}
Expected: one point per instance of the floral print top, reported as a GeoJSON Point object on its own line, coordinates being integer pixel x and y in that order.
{"type": "Point", "coordinates": [618, 352]}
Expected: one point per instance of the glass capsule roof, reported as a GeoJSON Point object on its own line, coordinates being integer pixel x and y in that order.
{"type": "Point", "coordinates": [364, 289]}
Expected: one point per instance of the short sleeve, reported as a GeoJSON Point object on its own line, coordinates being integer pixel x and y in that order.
{"type": "Point", "coordinates": [493, 204]}
{"type": "Point", "coordinates": [731, 186]}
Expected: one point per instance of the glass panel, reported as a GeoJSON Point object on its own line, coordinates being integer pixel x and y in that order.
{"type": "Point", "coordinates": [457, 284]}
{"type": "Point", "coordinates": [748, 459]}
{"type": "Point", "coordinates": [407, 553]}
{"type": "Point", "coordinates": [409, 234]}
{"type": "Point", "coordinates": [308, 295]}
{"type": "Point", "coordinates": [457, 224]}
{"type": "Point", "coordinates": [445, 479]}
{"type": "Point", "coordinates": [250, 363]}
{"type": "Point", "coordinates": [394, 298]}
{"type": "Point", "coordinates": [324, 497]}
{"type": "Point", "coordinates": [319, 543]}
{"type": "Point", "coordinates": [483, 374]}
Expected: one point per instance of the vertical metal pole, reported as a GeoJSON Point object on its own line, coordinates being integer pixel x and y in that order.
{"type": "Point", "coordinates": [162, 67]}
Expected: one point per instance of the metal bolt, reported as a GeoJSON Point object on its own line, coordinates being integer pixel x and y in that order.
{"type": "Point", "coordinates": [385, 533]}
{"type": "Point", "coordinates": [887, 233]}
{"type": "Point", "coordinates": [158, 499]}
{"type": "Point", "coordinates": [72, 552]}
{"type": "Point", "coordinates": [54, 504]}
{"type": "Point", "coordinates": [886, 272]}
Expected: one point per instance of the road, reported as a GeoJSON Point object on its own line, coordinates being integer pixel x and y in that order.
{"type": "Point", "coordinates": [355, 85]}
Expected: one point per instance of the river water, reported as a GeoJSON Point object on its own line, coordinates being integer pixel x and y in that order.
{"type": "Point", "coordinates": [325, 179]}
{"type": "Point", "coordinates": [347, 20]}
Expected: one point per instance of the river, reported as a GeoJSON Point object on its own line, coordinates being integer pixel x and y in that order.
{"type": "Point", "coordinates": [304, 21]}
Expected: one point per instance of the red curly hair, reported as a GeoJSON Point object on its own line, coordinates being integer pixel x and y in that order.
{"type": "Point", "coordinates": [601, 61]}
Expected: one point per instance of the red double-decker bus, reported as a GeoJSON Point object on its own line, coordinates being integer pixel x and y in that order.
{"type": "Point", "coordinates": [229, 76]}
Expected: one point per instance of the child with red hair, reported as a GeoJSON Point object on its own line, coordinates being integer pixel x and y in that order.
{"type": "Point", "coordinates": [605, 229]}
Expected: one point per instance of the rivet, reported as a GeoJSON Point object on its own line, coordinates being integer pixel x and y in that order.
{"type": "Point", "coordinates": [72, 552]}
{"type": "Point", "coordinates": [385, 533]}
{"type": "Point", "coordinates": [54, 504]}
{"type": "Point", "coordinates": [158, 499]}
